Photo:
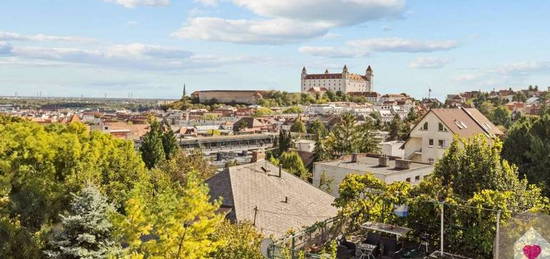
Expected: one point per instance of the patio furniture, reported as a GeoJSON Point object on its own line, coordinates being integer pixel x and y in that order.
{"type": "Point", "coordinates": [365, 251]}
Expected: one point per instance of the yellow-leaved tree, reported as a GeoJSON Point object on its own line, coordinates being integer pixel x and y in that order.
{"type": "Point", "coordinates": [164, 219]}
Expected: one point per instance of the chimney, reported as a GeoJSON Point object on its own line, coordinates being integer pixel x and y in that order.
{"type": "Point", "coordinates": [257, 155]}
{"type": "Point", "coordinates": [402, 164]}
{"type": "Point", "coordinates": [280, 170]}
{"type": "Point", "coordinates": [383, 161]}
{"type": "Point", "coordinates": [354, 158]}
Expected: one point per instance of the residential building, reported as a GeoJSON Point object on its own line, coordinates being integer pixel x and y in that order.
{"type": "Point", "coordinates": [432, 135]}
{"type": "Point", "coordinates": [387, 169]}
{"type": "Point", "coordinates": [345, 81]}
{"type": "Point", "coordinates": [273, 200]}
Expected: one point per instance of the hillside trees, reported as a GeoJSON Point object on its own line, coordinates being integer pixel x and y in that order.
{"type": "Point", "coordinates": [39, 168]}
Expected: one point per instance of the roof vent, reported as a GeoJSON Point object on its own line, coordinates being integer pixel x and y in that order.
{"type": "Point", "coordinates": [383, 161]}
{"type": "Point", "coordinates": [402, 164]}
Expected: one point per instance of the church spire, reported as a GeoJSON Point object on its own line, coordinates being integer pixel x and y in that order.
{"type": "Point", "coordinates": [184, 91]}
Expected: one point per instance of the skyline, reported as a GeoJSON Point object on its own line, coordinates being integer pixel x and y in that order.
{"type": "Point", "coordinates": [150, 48]}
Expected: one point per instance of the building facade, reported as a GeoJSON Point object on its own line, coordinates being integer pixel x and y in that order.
{"type": "Point", "coordinates": [344, 82]}
{"type": "Point", "coordinates": [436, 130]}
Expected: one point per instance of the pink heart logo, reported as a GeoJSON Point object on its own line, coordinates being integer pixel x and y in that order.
{"type": "Point", "coordinates": [532, 251]}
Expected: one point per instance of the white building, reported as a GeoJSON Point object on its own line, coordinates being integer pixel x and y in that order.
{"type": "Point", "coordinates": [327, 175]}
{"type": "Point", "coordinates": [434, 133]}
{"type": "Point", "coordinates": [344, 82]}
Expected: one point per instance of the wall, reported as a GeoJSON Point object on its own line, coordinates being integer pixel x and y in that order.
{"type": "Point", "coordinates": [420, 139]}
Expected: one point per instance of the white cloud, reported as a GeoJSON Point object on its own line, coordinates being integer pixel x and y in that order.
{"type": "Point", "coordinates": [10, 36]}
{"type": "Point", "coordinates": [329, 52]}
{"type": "Point", "coordinates": [523, 67]}
{"type": "Point", "coordinates": [429, 62]}
{"type": "Point", "coordinates": [274, 31]}
{"type": "Point", "coordinates": [336, 12]}
{"type": "Point", "coordinates": [467, 77]}
{"type": "Point", "coordinates": [358, 48]}
{"type": "Point", "coordinates": [208, 2]}
{"type": "Point", "coordinates": [133, 56]}
{"type": "Point", "coordinates": [402, 45]}
{"type": "Point", "coordinates": [135, 3]}
{"type": "Point", "coordinates": [286, 21]}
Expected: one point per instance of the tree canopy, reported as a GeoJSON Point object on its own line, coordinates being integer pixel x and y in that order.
{"type": "Point", "coordinates": [471, 179]}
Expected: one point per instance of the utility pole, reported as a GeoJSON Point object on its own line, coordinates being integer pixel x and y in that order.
{"type": "Point", "coordinates": [497, 238]}
{"type": "Point", "coordinates": [442, 228]}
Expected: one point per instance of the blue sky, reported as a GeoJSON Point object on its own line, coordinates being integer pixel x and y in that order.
{"type": "Point", "coordinates": [150, 48]}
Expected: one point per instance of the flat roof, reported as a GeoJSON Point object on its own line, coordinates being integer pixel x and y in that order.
{"type": "Point", "coordinates": [227, 138]}
{"type": "Point", "coordinates": [370, 164]}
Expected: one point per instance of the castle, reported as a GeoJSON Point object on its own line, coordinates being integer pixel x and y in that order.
{"type": "Point", "coordinates": [345, 82]}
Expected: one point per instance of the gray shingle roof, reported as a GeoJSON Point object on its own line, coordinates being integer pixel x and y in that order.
{"type": "Point", "coordinates": [246, 187]}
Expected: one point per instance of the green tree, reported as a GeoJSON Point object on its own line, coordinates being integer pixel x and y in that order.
{"type": "Point", "coordinates": [318, 128]}
{"type": "Point", "coordinates": [152, 150]}
{"type": "Point", "coordinates": [294, 109]}
{"type": "Point", "coordinates": [472, 165]}
{"type": "Point", "coordinates": [298, 126]}
{"type": "Point", "coordinates": [348, 137]}
{"type": "Point", "coordinates": [169, 143]}
{"type": "Point", "coordinates": [396, 128]}
{"type": "Point", "coordinates": [473, 181]}
{"type": "Point", "coordinates": [86, 230]}
{"type": "Point", "coordinates": [39, 168]}
{"type": "Point", "coordinates": [240, 240]}
{"type": "Point", "coordinates": [527, 146]}
{"type": "Point", "coordinates": [262, 111]}
{"type": "Point", "coordinates": [292, 162]}
{"type": "Point", "coordinates": [284, 142]}
{"type": "Point", "coordinates": [184, 162]}
{"type": "Point", "coordinates": [501, 116]}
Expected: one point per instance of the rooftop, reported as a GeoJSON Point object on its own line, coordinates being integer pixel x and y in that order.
{"type": "Point", "coordinates": [255, 193]}
{"type": "Point", "coordinates": [370, 163]}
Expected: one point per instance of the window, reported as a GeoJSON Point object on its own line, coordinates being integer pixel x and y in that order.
{"type": "Point", "coordinates": [417, 178]}
{"type": "Point", "coordinates": [441, 143]}
{"type": "Point", "coordinates": [441, 128]}
{"type": "Point", "coordinates": [408, 180]}
{"type": "Point", "coordinates": [425, 126]}
{"type": "Point", "coordinates": [431, 160]}
{"type": "Point", "coordinates": [431, 142]}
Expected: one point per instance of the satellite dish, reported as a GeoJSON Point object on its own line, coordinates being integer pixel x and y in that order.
{"type": "Point", "coordinates": [265, 245]}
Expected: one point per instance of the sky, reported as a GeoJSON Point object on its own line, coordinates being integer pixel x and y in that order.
{"type": "Point", "coordinates": [151, 48]}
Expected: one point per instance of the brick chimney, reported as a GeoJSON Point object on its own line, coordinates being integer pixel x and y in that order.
{"type": "Point", "coordinates": [257, 155]}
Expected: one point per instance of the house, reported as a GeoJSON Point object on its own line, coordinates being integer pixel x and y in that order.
{"type": "Point", "coordinates": [273, 200]}
{"type": "Point", "coordinates": [429, 139]}
{"type": "Point", "coordinates": [328, 175]}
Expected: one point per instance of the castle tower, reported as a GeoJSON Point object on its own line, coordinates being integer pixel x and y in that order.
{"type": "Point", "coordinates": [303, 83]}
{"type": "Point", "coordinates": [369, 76]}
